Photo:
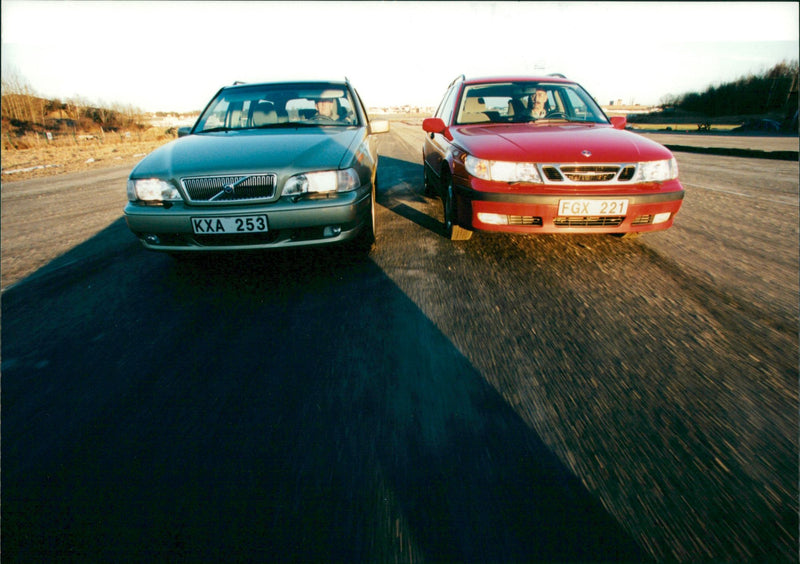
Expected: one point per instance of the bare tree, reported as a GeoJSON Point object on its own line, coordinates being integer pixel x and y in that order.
{"type": "Point", "coordinates": [12, 92]}
{"type": "Point", "coordinates": [20, 101]}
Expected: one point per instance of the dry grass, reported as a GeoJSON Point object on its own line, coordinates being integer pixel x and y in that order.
{"type": "Point", "coordinates": [72, 154]}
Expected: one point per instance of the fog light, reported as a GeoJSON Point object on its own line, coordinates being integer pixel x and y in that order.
{"type": "Point", "coordinates": [152, 239]}
{"type": "Point", "coordinates": [493, 218]}
{"type": "Point", "coordinates": [331, 231]}
{"type": "Point", "coordinates": [661, 217]}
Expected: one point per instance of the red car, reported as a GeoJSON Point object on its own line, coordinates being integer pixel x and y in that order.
{"type": "Point", "coordinates": [538, 155]}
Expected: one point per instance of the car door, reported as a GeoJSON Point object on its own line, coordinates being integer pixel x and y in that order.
{"type": "Point", "coordinates": [436, 145]}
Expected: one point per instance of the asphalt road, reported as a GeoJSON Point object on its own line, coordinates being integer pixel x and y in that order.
{"type": "Point", "coordinates": [509, 398]}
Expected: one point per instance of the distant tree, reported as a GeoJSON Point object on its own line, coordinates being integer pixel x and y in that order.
{"type": "Point", "coordinates": [19, 101]}
{"type": "Point", "coordinates": [668, 100]}
{"type": "Point", "coordinates": [754, 94]}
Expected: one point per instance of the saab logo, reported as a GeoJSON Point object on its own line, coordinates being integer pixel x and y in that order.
{"type": "Point", "coordinates": [207, 225]}
{"type": "Point", "coordinates": [586, 153]}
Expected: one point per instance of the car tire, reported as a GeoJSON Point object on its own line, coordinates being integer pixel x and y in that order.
{"type": "Point", "coordinates": [453, 231]}
{"type": "Point", "coordinates": [365, 239]}
{"type": "Point", "coordinates": [428, 187]}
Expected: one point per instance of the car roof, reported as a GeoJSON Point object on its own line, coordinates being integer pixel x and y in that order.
{"type": "Point", "coordinates": [239, 84]}
{"type": "Point", "coordinates": [547, 78]}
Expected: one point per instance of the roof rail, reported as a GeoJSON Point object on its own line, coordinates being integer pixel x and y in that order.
{"type": "Point", "coordinates": [238, 82]}
{"type": "Point", "coordinates": [557, 75]}
{"type": "Point", "coordinates": [456, 79]}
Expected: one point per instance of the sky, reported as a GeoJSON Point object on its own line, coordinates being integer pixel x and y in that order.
{"type": "Point", "coordinates": [173, 56]}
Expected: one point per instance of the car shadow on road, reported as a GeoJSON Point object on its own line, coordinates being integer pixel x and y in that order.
{"type": "Point", "coordinates": [404, 179]}
{"type": "Point", "coordinates": [292, 406]}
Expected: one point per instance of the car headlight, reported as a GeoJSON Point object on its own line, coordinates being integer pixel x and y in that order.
{"type": "Point", "coordinates": [152, 190]}
{"type": "Point", "coordinates": [657, 171]}
{"type": "Point", "coordinates": [502, 171]}
{"type": "Point", "coordinates": [325, 181]}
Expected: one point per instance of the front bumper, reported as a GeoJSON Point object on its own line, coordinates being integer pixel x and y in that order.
{"type": "Point", "coordinates": [291, 223]}
{"type": "Point", "coordinates": [647, 210]}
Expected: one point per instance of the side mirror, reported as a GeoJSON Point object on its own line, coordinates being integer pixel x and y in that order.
{"type": "Point", "coordinates": [619, 122]}
{"type": "Point", "coordinates": [184, 131]}
{"type": "Point", "coordinates": [379, 126]}
{"type": "Point", "coordinates": [436, 125]}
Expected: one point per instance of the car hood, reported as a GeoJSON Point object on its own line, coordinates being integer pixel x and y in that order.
{"type": "Point", "coordinates": [262, 150]}
{"type": "Point", "coordinates": [557, 143]}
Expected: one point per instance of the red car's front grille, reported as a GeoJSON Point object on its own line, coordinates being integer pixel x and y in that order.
{"type": "Point", "coordinates": [627, 173]}
{"type": "Point", "coordinates": [588, 221]}
{"type": "Point", "coordinates": [581, 174]}
{"type": "Point", "coordinates": [524, 220]}
{"type": "Point", "coordinates": [552, 173]}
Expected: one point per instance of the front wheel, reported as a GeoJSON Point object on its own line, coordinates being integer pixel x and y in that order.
{"type": "Point", "coordinates": [429, 189]}
{"type": "Point", "coordinates": [453, 231]}
{"type": "Point", "coordinates": [365, 239]}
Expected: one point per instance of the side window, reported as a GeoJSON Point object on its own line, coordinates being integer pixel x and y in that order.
{"type": "Point", "coordinates": [217, 115]}
{"type": "Point", "coordinates": [449, 104]}
{"type": "Point", "coordinates": [360, 104]}
{"type": "Point", "coordinates": [440, 109]}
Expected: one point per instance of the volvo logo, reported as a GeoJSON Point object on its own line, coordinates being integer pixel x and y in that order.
{"type": "Point", "coordinates": [586, 153]}
{"type": "Point", "coordinates": [229, 189]}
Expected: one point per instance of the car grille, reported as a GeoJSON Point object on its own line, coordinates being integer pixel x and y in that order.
{"type": "Point", "coordinates": [588, 221]}
{"type": "Point", "coordinates": [230, 189]}
{"type": "Point", "coordinates": [524, 220]}
{"type": "Point", "coordinates": [581, 174]}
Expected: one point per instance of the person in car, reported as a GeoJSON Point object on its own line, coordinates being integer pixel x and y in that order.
{"type": "Point", "coordinates": [537, 102]}
{"type": "Point", "coordinates": [327, 109]}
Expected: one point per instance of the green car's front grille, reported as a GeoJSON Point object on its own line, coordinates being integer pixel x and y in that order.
{"type": "Point", "coordinates": [233, 188]}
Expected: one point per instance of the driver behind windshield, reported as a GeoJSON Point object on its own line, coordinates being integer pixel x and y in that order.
{"type": "Point", "coordinates": [327, 109]}
{"type": "Point", "coordinates": [537, 109]}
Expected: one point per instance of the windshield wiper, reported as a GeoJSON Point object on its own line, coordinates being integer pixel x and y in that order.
{"type": "Point", "coordinates": [284, 125]}
{"type": "Point", "coordinates": [546, 121]}
{"type": "Point", "coordinates": [281, 125]}
{"type": "Point", "coordinates": [213, 129]}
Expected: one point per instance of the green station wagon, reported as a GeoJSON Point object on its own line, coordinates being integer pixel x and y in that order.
{"type": "Point", "coordinates": [266, 165]}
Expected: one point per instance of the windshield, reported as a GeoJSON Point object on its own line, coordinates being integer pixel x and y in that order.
{"type": "Point", "coordinates": [279, 105]}
{"type": "Point", "coordinates": [528, 101]}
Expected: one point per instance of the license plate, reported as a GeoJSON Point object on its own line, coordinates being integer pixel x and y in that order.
{"type": "Point", "coordinates": [592, 207]}
{"type": "Point", "coordinates": [232, 224]}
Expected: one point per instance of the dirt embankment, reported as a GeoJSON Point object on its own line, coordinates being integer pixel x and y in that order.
{"type": "Point", "coordinates": [48, 159]}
